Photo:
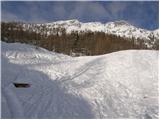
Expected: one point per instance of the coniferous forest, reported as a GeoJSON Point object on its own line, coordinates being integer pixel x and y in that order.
{"type": "Point", "coordinates": [75, 43]}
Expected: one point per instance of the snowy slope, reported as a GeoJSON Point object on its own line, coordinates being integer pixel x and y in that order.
{"type": "Point", "coordinates": [156, 33]}
{"type": "Point", "coordinates": [118, 85]}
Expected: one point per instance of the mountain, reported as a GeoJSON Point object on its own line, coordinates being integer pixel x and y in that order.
{"type": "Point", "coordinates": [72, 36]}
{"type": "Point", "coordinates": [122, 84]}
{"type": "Point", "coordinates": [156, 33]}
{"type": "Point", "coordinates": [121, 28]}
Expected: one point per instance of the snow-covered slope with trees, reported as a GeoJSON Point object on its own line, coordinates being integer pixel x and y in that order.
{"type": "Point", "coordinates": [120, 28]}
{"type": "Point", "coordinates": [123, 84]}
{"type": "Point", "coordinates": [72, 32]}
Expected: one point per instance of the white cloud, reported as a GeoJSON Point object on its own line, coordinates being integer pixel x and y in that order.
{"type": "Point", "coordinates": [92, 10]}
{"type": "Point", "coordinates": [116, 8]}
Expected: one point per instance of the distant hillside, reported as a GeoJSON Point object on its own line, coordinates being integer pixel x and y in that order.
{"type": "Point", "coordinates": [75, 38]}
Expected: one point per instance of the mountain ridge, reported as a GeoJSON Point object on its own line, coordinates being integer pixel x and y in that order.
{"type": "Point", "coordinates": [75, 36]}
{"type": "Point", "coordinates": [77, 21]}
{"type": "Point", "coordinates": [120, 28]}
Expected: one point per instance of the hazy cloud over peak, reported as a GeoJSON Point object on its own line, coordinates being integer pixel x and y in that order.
{"type": "Point", "coordinates": [88, 11]}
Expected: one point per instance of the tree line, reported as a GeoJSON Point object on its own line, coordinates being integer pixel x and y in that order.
{"type": "Point", "coordinates": [75, 43]}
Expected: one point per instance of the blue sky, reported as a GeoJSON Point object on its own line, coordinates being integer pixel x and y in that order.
{"type": "Point", "coordinates": [144, 14]}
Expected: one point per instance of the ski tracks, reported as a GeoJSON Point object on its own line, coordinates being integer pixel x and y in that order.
{"type": "Point", "coordinates": [85, 72]}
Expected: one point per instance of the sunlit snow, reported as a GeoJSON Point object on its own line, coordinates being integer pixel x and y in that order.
{"type": "Point", "coordinates": [123, 84]}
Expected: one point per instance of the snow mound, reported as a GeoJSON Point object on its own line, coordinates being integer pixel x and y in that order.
{"type": "Point", "coordinates": [118, 85]}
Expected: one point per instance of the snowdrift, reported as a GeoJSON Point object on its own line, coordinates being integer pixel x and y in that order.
{"type": "Point", "coordinates": [118, 85]}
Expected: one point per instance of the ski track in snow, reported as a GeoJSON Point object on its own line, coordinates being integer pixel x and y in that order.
{"type": "Point", "coordinates": [118, 85]}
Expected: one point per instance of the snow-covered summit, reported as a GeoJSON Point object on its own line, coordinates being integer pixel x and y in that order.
{"type": "Point", "coordinates": [62, 22]}
{"type": "Point", "coordinates": [156, 33]}
{"type": "Point", "coordinates": [125, 29]}
{"type": "Point", "coordinates": [120, 28]}
{"type": "Point", "coordinates": [120, 23]}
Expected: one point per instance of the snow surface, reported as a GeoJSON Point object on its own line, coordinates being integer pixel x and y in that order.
{"type": "Point", "coordinates": [123, 84]}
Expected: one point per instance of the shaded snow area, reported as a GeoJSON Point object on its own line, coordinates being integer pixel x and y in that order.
{"type": "Point", "coordinates": [117, 85]}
